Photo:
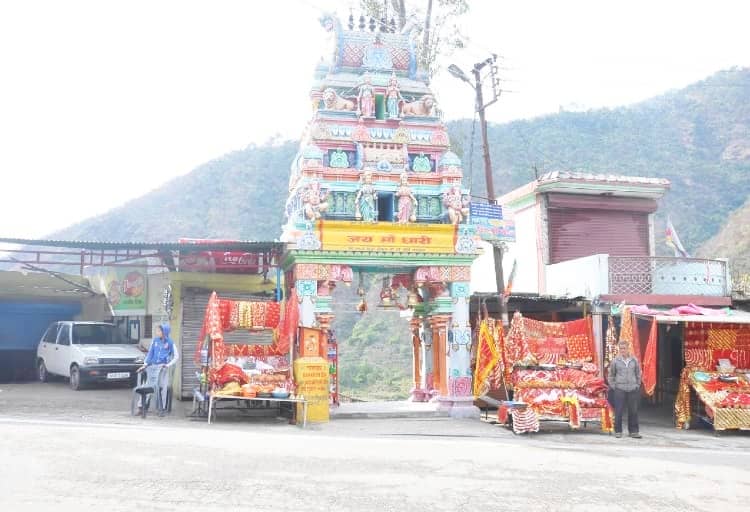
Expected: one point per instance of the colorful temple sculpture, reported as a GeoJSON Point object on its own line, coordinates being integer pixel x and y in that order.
{"type": "Point", "coordinates": [375, 188]}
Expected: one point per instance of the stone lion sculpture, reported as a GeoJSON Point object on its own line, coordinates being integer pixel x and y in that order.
{"type": "Point", "coordinates": [333, 101]}
{"type": "Point", "coordinates": [421, 107]}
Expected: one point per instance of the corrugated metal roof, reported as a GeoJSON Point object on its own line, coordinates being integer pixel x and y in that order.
{"type": "Point", "coordinates": [601, 178]}
{"type": "Point", "coordinates": [249, 246]}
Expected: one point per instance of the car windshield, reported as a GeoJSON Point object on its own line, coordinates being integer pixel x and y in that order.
{"type": "Point", "coordinates": [98, 334]}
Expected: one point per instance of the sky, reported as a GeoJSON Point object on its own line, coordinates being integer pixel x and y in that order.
{"type": "Point", "coordinates": [102, 101]}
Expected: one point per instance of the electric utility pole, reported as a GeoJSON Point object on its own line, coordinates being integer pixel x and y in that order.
{"type": "Point", "coordinates": [497, 248]}
{"type": "Point", "coordinates": [480, 106]}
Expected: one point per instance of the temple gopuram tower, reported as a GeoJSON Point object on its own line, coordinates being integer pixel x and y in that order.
{"type": "Point", "coordinates": [376, 188]}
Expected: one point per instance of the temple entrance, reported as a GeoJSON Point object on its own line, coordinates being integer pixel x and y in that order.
{"type": "Point", "coordinates": [374, 349]}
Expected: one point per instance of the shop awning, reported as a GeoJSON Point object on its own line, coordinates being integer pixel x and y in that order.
{"type": "Point", "coordinates": [43, 286]}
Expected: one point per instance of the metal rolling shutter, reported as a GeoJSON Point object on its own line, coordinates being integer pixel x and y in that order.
{"type": "Point", "coordinates": [574, 233]}
{"type": "Point", "coordinates": [193, 310]}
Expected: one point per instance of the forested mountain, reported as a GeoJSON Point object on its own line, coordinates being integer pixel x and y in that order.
{"type": "Point", "coordinates": [697, 137]}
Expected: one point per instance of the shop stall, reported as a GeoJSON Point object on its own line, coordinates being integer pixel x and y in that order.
{"type": "Point", "coordinates": [715, 382]}
{"type": "Point", "coordinates": [551, 371]}
{"type": "Point", "coordinates": [257, 371]}
{"type": "Point", "coordinates": [696, 361]}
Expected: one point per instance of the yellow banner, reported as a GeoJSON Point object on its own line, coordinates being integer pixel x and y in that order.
{"type": "Point", "coordinates": [387, 237]}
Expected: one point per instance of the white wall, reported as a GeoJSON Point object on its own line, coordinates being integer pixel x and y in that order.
{"type": "Point", "coordinates": [582, 277]}
{"type": "Point", "coordinates": [156, 284]}
{"type": "Point", "coordinates": [525, 252]}
{"type": "Point", "coordinates": [483, 271]}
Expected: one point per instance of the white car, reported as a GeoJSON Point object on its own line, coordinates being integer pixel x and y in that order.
{"type": "Point", "coordinates": [87, 352]}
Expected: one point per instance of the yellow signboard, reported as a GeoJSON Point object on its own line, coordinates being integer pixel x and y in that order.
{"type": "Point", "coordinates": [387, 237]}
{"type": "Point", "coordinates": [311, 376]}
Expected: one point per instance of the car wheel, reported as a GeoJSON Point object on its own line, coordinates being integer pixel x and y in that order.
{"type": "Point", "coordinates": [75, 378]}
{"type": "Point", "coordinates": [43, 374]}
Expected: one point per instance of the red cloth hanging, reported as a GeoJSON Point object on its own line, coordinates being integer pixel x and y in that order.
{"type": "Point", "coordinates": [225, 310]}
{"type": "Point", "coordinates": [289, 323]}
{"type": "Point", "coordinates": [212, 327]}
{"type": "Point", "coordinates": [649, 360]}
{"type": "Point", "coordinates": [273, 315]}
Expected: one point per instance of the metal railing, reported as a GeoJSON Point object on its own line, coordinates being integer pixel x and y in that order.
{"type": "Point", "coordinates": [667, 276]}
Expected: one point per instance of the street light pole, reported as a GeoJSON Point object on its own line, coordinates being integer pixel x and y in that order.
{"type": "Point", "coordinates": [480, 107]}
{"type": "Point", "coordinates": [497, 248]}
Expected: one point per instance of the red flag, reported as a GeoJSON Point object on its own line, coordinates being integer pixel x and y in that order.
{"type": "Point", "coordinates": [487, 357]}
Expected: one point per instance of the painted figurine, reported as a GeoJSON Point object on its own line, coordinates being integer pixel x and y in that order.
{"type": "Point", "coordinates": [366, 98]}
{"type": "Point", "coordinates": [457, 210]}
{"type": "Point", "coordinates": [421, 107]}
{"type": "Point", "coordinates": [314, 201]}
{"type": "Point", "coordinates": [393, 98]}
{"type": "Point", "coordinates": [407, 203]}
{"type": "Point", "coordinates": [366, 199]}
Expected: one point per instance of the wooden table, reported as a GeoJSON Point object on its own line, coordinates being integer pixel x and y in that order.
{"type": "Point", "coordinates": [215, 397]}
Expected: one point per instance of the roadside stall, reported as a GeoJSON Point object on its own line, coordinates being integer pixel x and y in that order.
{"type": "Point", "coordinates": [255, 373]}
{"type": "Point", "coordinates": [715, 383]}
{"type": "Point", "coordinates": [550, 368]}
{"type": "Point", "coordinates": [701, 353]}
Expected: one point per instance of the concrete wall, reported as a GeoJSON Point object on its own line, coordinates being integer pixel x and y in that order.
{"type": "Point", "coordinates": [94, 309]}
{"type": "Point", "coordinates": [582, 277]}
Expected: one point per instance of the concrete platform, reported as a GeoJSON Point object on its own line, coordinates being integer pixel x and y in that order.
{"type": "Point", "coordinates": [385, 410]}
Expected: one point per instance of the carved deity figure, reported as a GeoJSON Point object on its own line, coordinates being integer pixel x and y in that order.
{"type": "Point", "coordinates": [407, 203]}
{"type": "Point", "coordinates": [421, 163]}
{"type": "Point", "coordinates": [366, 98]}
{"type": "Point", "coordinates": [393, 98]}
{"type": "Point", "coordinates": [377, 55]}
{"type": "Point", "coordinates": [314, 201]}
{"type": "Point", "coordinates": [339, 159]}
{"type": "Point", "coordinates": [457, 209]}
{"type": "Point", "coordinates": [366, 199]}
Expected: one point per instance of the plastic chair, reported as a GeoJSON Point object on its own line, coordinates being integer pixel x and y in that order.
{"type": "Point", "coordinates": [148, 386]}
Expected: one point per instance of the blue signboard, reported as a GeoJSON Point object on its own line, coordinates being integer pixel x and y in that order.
{"type": "Point", "coordinates": [490, 224]}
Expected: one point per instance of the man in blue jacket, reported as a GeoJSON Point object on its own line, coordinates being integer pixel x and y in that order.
{"type": "Point", "coordinates": [161, 357]}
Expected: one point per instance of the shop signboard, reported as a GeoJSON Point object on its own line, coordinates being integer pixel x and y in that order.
{"type": "Point", "coordinates": [124, 287]}
{"type": "Point", "coordinates": [490, 223]}
{"type": "Point", "coordinates": [232, 262]}
{"type": "Point", "coordinates": [387, 237]}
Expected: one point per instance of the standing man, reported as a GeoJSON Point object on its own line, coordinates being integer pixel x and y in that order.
{"type": "Point", "coordinates": [625, 380]}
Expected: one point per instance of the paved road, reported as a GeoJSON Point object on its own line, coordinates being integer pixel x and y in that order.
{"type": "Point", "coordinates": [62, 450]}
{"type": "Point", "coordinates": [61, 466]}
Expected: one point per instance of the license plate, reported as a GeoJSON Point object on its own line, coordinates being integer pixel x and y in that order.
{"type": "Point", "coordinates": [118, 375]}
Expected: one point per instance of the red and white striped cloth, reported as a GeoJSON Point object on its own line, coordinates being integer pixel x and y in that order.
{"type": "Point", "coordinates": [525, 420]}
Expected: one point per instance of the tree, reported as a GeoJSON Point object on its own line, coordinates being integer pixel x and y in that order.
{"type": "Point", "coordinates": [440, 32]}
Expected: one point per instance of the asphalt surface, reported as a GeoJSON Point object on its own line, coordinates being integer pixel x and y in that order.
{"type": "Point", "coordinates": [61, 450]}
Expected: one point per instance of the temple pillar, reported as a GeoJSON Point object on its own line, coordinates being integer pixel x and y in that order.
{"type": "Point", "coordinates": [428, 380]}
{"type": "Point", "coordinates": [417, 391]}
{"type": "Point", "coordinates": [459, 354]}
{"type": "Point", "coordinates": [307, 291]}
{"type": "Point", "coordinates": [439, 326]}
